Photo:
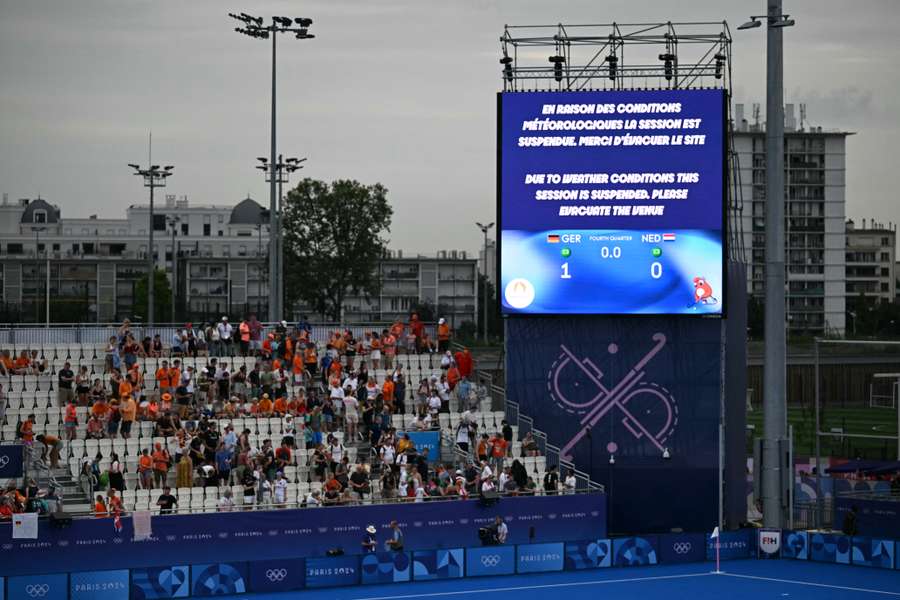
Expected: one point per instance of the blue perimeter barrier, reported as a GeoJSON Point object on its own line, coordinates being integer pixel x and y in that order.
{"type": "Point", "coordinates": [290, 574]}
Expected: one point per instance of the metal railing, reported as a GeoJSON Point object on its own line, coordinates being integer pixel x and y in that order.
{"type": "Point", "coordinates": [301, 503]}
{"type": "Point", "coordinates": [97, 334]}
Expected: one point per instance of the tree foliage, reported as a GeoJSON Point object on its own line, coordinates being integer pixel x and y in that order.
{"type": "Point", "coordinates": [334, 237]}
{"type": "Point", "coordinates": [162, 297]}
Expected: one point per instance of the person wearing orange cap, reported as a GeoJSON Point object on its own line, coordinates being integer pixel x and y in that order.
{"type": "Point", "coordinates": [166, 402]}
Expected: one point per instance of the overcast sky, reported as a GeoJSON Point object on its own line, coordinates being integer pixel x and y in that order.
{"type": "Point", "coordinates": [393, 91]}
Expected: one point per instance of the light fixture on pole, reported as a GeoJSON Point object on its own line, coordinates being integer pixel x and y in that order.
{"type": "Point", "coordinates": [484, 229]}
{"type": "Point", "coordinates": [281, 171]}
{"type": "Point", "coordinates": [253, 27]}
{"type": "Point", "coordinates": [154, 177]}
{"type": "Point", "coordinates": [774, 369]}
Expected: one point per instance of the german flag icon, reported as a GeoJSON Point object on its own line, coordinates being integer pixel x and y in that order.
{"type": "Point", "coordinates": [552, 238]}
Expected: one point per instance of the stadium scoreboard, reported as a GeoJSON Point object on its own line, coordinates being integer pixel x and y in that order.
{"type": "Point", "coordinates": [612, 202]}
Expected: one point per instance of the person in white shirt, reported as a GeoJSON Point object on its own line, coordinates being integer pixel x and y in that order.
{"type": "Point", "coordinates": [569, 483]}
{"type": "Point", "coordinates": [486, 470]}
{"type": "Point", "coordinates": [434, 404]}
{"type": "Point", "coordinates": [312, 499]}
{"type": "Point", "coordinates": [443, 389]}
{"type": "Point", "coordinates": [504, 477]}
{"type": "Point", "coordinates": [226, 502]}
{"type": "Point", "coordinates": [351, 414]}
{"type": "Point", "coordinates": [350, 381]}
{"type": "Point", "coordinates": [281, 485]}
{"type": "Point", "coordinates": [488, 485]}
{"type": "Point", "coordinates": [225, 331]}
{"type": "Point", "coordinates": [387, 455]}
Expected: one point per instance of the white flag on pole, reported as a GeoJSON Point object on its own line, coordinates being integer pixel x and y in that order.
{"type": "Point", "coordinates": [715, 533]}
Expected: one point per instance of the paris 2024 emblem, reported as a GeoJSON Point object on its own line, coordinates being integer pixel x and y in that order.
{"type": "Point", "coordinates": [647, 410]}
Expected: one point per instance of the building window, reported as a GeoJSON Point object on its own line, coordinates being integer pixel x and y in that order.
{"type": "Point", "coordinates": [185, 229]}
{"type": "Point", "coordinates": [207, 229]}
{"type": "Point", "coordinates": [40, 216]}
{"type": "Point", "coordinates": [221, 219]}
{"type": "Point", "coordinates": [221, 233]}
{"type": "Point", "coordinates": [242, 250]}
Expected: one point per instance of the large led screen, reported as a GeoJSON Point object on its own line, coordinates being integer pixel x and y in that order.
{"type": "Point", "coordinates": [612, 202]}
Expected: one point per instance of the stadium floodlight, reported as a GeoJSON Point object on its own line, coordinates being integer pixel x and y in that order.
{"type": "Point", "coordinates": [751, 24]}
{"type": "Point", "coordinates": [255, 29]}
{"type": "Point", "coordinates": [557, 61]}
{"type": "Point", "coordinates": [668, 61]}
{"type": "Point", "coordinates": [720, 64]}
{"type": "Point", "coordinates": [507, 68]}
{"type": "Point", "coordinates": [613, 62]}
{"type": "Point", "coordinates": [484, 230]}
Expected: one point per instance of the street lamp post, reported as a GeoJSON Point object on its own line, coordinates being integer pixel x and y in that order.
{"type": "Point", "coordinates": [154, 177]}
{"type": "Point", "coordinates": [173, 221]}
{"type": "Point", "coordinates": [253, 27]}
{"type": "Point", "coordinates": [484, 229]}
{"type": "Point", "coordinates": [37, 255]}
{"type": "Point", "coordinates": [279, 172]}
{"type": "Point", "coordinates": [774, 369]}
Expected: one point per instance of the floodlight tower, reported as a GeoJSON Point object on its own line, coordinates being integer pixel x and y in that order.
{"type": "Point", "coordinates": [774, 369]}
{"type": "Point", "coordinates": [154, 177]}
{"type": "Point", "coordinates": [253, 27]}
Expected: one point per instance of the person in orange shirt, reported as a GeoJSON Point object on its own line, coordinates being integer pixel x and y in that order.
{"type": "Point", "coordinates": [280, 406]}
{"type": "Point", "coordinates": [265, 406]}
{"type": "Point", "coordinates": [276, 364]}
{"type": "Point", "coordinates": [443, 332]}
{"type": "Point", "coordinates": [311, 359]}
{"type": "Point", "coordinates": [128, 410]}
{"type": "Point", "coordinates": [297, 368]}
{"type": "Point", "coordinates": [389, 342]}
{"type": "Point", "coordinates": [336, 369]}
{"type": "Point", "coordinates": [166, 404]}
{"type": "Point", "coordinates": [162, 377]}
{"type": "Point", "coordinates": [137, 377]}
{"type": "Point", "coordinates": [375, 351]}
{"type": "Point", "coordinates": [71, 421]}
{"type": "Point", "coordinates": [100, 510]}
{"type": "Point", "coordinates": [22, 363]}
{"type": "Point", "coordinates": [453, 376]}
{"type": "Point", "coordinates": [161, 462]}
{"type": "Point", "coordinates": [387, 390]}
{"type": "Point", "coordinates": [145, 470]}
{"type": "Point", "coordinates": [125, 387]}
{"type": "Point", "coordinates": [174, 375]}
{"type": "Point", "coordinates": [100, 409]}
{"type": "Point", "coordinates": [27, 430]}
{"type": "Point", "coordinates": [7, 365]}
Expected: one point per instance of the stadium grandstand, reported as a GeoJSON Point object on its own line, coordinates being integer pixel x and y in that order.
{"type": "Point", "coordinates": [248, 415]}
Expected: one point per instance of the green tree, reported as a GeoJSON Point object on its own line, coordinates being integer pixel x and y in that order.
{"type": "Point", "coordinates": [334, 237]}
{"type": "Point", "coordinates": [162, 297]}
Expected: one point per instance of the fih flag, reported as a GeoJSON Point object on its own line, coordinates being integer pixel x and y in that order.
{"type": "Point", "coordinates": [715, 533]}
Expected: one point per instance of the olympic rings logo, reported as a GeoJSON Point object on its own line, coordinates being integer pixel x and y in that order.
{"type": "Point", "coordinates": [37, 591]}
{"type": "Point", "coordinates": [276, 575]}
{"type": "Point", "coordinates": [490, 560]}
{"type": "Point", "coordinates": [681, 547]}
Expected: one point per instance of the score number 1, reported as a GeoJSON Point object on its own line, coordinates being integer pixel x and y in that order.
{"type": "Point", "coordinates": [565, 271]}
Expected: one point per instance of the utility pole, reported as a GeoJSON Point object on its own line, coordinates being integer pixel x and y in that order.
{"type": "Point", "coordinates": [774, 369]}
{"type": "Point", "coordinates": [484, 285]}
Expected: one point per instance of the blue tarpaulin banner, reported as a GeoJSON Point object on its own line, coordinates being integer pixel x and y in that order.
{"type": "Point", "coordinates": [635, 391]}
{"type": "Point", "coordinates": [10, 461]}
{"type": "Point", "coordinates": [279, 534]}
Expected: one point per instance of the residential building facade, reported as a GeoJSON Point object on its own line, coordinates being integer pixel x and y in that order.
{"type": "Point", "coordinates": [871, 263]}
{"type": "Point", "coordinates": [815, 185]}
